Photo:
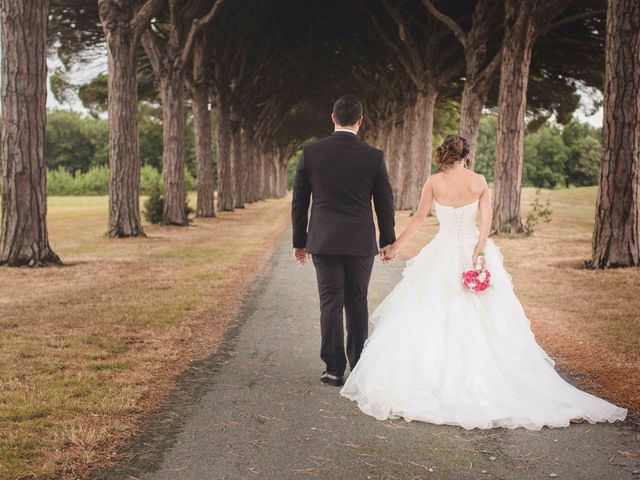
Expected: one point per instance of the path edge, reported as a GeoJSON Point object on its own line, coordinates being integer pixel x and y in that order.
{"type": "Point", "coordinates": [143, 452]}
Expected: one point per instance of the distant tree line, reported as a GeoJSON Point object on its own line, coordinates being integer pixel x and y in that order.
{"type": "Point", "coordinates": [554, 155]}
{"type": "Point", "coordinates": [77, 142]}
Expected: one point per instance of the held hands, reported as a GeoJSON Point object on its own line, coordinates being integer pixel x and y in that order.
{"type": "Point", "coordinates": [300, 255]}
{"type": "Point", "coordinates": [389, 252]}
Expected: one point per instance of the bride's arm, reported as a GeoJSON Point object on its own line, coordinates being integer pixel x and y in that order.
{"type": "Point", "coordinates": [426, 199]}
{"type": "Point", "coordinates": [485, 220]}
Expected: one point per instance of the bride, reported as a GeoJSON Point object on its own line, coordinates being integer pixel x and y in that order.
{"type": "Point", "coordinates": [445, 355]}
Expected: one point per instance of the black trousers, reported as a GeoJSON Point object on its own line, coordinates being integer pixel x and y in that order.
{"type": "Point", "coordinates": [343, 282]}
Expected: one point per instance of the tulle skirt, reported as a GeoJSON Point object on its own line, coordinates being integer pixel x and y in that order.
{"type": "Point", "coordinates": [442, 354]}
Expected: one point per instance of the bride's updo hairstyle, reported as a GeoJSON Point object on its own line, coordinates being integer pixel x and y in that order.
{"type": "Point", "coordinates": [453, 149]}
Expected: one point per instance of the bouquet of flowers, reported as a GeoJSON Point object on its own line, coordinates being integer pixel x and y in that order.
{"type": "Point", "coordinates": [477, 279]}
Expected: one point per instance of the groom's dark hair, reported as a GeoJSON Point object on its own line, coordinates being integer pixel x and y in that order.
{"type": "Point", "coordinates": [347, 109]}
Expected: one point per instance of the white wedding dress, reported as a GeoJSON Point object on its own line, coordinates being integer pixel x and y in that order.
{"type": "Point", "coordinates": [442, 354]}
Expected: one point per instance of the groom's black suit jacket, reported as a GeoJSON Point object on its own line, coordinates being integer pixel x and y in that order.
{"type": "Point", "coordinates": [342, 174]}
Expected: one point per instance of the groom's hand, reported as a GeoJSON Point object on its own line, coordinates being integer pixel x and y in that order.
{"type": "Point", "coordinates": [387, 253]}
{"type": "Point", "coordinates": [300, 255]}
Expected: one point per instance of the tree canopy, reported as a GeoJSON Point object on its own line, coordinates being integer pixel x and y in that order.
{"type": "Point", "coordinates": [294, 58]}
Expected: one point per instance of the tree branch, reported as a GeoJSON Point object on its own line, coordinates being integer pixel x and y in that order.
{"type": "Point", "coordinates": [574, 18]}
{"type": "Point", "coordinates": [448, 74]}
{"type": "Point", "coordinates": [196, 26]}
{"type": "Point", "coordinates": [489, 73]}
{"type": "Point", "coordinates": [154, 50]}
{"type": "Point", "coordinates": [405, 37]}
{"type": "Point", "coordinates": [144, 16]}
{"type": "Point", "coordinates": [400, 55]}
{"type": "Point", "coordinates": [448, 21]}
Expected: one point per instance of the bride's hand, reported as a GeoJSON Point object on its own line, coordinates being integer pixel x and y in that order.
{"type": "Point", "coordinates": [478, 255]}
{"type": "Point", "coordinates": [389, 252]}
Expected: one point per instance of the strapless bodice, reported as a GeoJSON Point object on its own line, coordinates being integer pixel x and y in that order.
{"type": "Point", "coordinates": [457, 223]}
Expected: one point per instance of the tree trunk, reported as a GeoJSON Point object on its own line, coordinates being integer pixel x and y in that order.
{"type": "Point", "coordinates": [426, 111]}
{"type": "Point", "coordinates": [512, 103]}
{"type": "Point", "coordinates": [406, 162]}
{"type": "Point", "coordinates": [171, 94]}
{"type": "Point", "coordinates": [479, 75]}
{"type": "Point", "coordinates": [239, 167]}
{"type": "Point", "coordinates": [24, 239]}
{"type": "Point", "coordinates": [264, 175]}
{"type": "Point", "coordinates": [471, 105]}
{"type": "Point", "coordinates": [281, 178]}
{"type": "Point", "coordinates": [258, 174]}
{"type": "Point", "coordinates": [226, 185]}
{"type": "Point", "coordinates": [202, 130]}
{"type": "Point", "coordinates": [124, 157]}
{"type": "Point", "coordinates": [615, 235]}
{"type": "Point", "coordinates": [251, 171]}
{"type": "Point", "coordinates": [271, 169]}
{"type": "Point", "coordinates": [386, 137]}
{"type": "Point", "coordinates": [204, 157]}
{"type": "Point", "coordinates": [396, 144]}
{"type": "Point", "coordinates": [415, 164]}
{"type": "Point", "coordinates": [269, 166]}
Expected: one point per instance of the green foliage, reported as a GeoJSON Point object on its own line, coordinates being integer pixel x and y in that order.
{"type": "Point", "coordinates": [150, 179]}
{"type": "Point", "coordinates": [61, 88]}
{"type": "Point", "coordinates": [557, 157]}
{"type": "Point", "coordinates": [188, 211]}
{"type": "Point", "coordinates": [94, 94]}
{"type": "Point", "coordinates": [291, 169]}
{"type": "Point", "coordinates": [554, 156]}
{"type": "Point", "coordinates": [585, 153]}
{"type": "Point", "coordinates": [545, 158]}
{"type": "Point", "coordinates": [575, 130]}
{"type": "Point", "coordinates": [153, 205]}
{"type": "Point", "coordinates": [93, 182]}
{"type": "Point", "coordinates": [583, 165]}
{"type": "Point", "coordinates": [77, 153]}
{"type": "Point", "coordinates": [150, 131]}
{"type": "Point", "coordinates": [446, 120]}
{"type": "Point", "coordinates": [60, 182]}
{"type": "Point", "coordinates": [537, 212]}
{"type": "Point", "coordinates": [486, 149]}
{"type": "Point", "coordinates": [190, 149]}
{"type": "Point", "coordinates": [190, 182]}
{"type": "Point", "coordinates": [74, 142]}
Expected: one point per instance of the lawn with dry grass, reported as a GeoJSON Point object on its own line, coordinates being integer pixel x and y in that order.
{"type": "Point", "coordinates": [87, 348]}
{"type": "Point", "coordinates": [587, 320]}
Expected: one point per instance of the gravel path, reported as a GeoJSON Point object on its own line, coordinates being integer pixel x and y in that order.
{"type": "Point", "coordinates": [256, 409]}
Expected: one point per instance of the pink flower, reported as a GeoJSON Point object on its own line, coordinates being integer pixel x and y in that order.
{"type": "Point", "coordinates": [476, 280]}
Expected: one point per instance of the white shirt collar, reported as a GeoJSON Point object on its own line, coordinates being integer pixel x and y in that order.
{"type": "Point", "coordinates": [345, 130]}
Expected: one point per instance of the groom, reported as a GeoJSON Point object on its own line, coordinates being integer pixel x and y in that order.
{"type": "Point", "coordinates": [342, 174]}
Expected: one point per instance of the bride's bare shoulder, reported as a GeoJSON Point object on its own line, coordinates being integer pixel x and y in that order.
{"type": "Point", "coordinates": [479, 183]}
{"type": "Point", "coordinates": [434, 177]}
{"type": "Point", "coordinates": [432, 181]}
{"type": "Point", "coordinates": [477, 177]}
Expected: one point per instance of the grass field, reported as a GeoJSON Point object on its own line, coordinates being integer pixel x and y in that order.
{"type": "Point", "coordinates": [87, 348]}
{"type": "Point", "coordinates": [588, 320]}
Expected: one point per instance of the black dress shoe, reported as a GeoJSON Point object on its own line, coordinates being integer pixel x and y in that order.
{"type": "Point", "coordinates": [332, 379]}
